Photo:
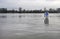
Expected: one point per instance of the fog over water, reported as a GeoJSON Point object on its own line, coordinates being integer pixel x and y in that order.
{"type": "Point", "coordinates": [29, 26]}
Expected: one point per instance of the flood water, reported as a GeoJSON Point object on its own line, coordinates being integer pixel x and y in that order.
{"type": "Point", "coordinates": [29, 26]}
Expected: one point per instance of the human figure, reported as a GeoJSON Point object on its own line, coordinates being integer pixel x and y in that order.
{"type": "Point", "coordinates": [46, 14]}
{"type": "Point", "coordinates": [46, 21]}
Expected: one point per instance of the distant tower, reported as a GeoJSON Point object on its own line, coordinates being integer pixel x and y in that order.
{"type": "Point", "coordinates": [45, 9]}
{"type": "Point", "coordinates": [20, 9]}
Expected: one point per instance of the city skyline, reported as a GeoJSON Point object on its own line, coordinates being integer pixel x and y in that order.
{"type": "Point", "coordinates": [21, 10]}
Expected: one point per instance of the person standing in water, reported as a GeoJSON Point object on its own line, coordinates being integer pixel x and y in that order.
{"type": "Point", "coordinates": [46, 14]}
{"type": "Point", "coordinates": [46, 21]}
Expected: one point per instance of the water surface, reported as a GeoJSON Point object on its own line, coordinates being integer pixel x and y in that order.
{"type": "Point", "coordinates": [29, 26]}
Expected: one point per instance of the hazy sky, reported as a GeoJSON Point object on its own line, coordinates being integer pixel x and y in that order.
{"type": "Point", "coordinates": [29, 4]}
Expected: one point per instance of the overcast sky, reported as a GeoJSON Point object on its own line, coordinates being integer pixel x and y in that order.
{"type": "Point", "coordinates": [29, 4]}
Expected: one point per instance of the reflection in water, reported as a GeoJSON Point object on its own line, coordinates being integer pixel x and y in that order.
{"type": "Point", "coordinates": [46, 21]}
{"type": "Point", "coordinates": [3, 16]}
{"type": "Point", "coordinates": [20, 16]}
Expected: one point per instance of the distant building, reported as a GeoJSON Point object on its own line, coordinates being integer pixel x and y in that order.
{"type": "Point", "coordinates": [58, 10]}
{"type": "Point", "coordinates": [3, 10]}
{"type": "Point", "coordinates": [52, 10]}
{"type": "Point", "coordinates": [44, 9]}
{"type": "Point", "coordinates": [20, 10]}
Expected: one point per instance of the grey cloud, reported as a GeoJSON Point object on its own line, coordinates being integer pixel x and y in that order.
{"type": "Point", "coordinates": [29, 4]}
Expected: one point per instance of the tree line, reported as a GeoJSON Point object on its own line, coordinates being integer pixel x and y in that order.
{"type": "Point", "coordinates": [5, 10]}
